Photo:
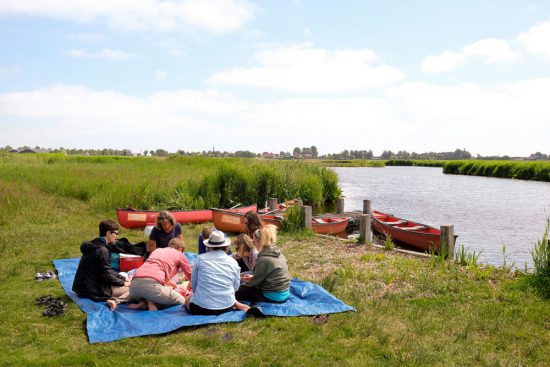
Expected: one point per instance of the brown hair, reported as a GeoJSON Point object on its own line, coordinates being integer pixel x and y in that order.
{"type": "Point", "coordinates": [177, 243]}
{"type": "Point", "coordinates": [206, 232]}
{"type": "Point", "coordinates": [244, 241]}
{"type": "Point", "coordinates": [107, 226]}
{"type": "Point", "coordinates": [164, 215]}
{"type": "Point", "coordinates": [252, 222]}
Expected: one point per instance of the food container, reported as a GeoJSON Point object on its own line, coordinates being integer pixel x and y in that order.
{"type": "Point", "coordinates": [129, 262]}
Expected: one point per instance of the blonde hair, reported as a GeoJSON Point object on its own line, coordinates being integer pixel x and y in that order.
{"type": "Point", "coordinates": [266, 235]}
{"type": "Point", "coordinates": [177, 244]}
{"type": "Point", "coordinates": [164, 215]}
{"type": "Point", "coordinates": [245, 241]}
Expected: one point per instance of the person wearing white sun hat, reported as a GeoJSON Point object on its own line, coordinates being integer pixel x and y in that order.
{"type": "Point", "coordinates": [215, 278]}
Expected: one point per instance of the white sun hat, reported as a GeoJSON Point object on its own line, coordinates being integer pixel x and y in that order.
{"type": "Point", "coordinates": [217, 239]}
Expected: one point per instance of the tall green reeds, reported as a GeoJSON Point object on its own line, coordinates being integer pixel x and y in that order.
{"type": "Point", "coordinates": [170, 183]}
{"type": "Point", "coordinates": [541, 261]}
{"type": "Point", "coordinates": [536, 171]}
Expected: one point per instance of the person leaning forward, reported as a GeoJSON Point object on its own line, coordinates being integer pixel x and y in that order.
{"type": "Point", "coordinates": [94, 277]}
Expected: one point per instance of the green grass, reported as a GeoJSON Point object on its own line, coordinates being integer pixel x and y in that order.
{"type": "Point", "coordinates": [348, 163]}
{"type": "Point", "coordinates": [171, 183]}
{"type": "Point", "coordinates": [537, 171]}
{"type": "Point", "coordinates": [409, 311]}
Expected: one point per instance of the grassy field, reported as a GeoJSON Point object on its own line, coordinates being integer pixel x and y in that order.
{"type": "Point", "coordinates": [410, 311]}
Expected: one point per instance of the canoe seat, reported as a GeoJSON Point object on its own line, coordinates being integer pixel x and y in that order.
{"type": "Point", "coordinates": [319, 220]}
{"type": "Point", "coordinates": [401, 221]}
{"type": "Point", "coordinates": [415, 228]}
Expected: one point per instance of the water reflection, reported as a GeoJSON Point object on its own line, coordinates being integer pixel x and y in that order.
{"type": "Point", "coordinates": [487, 212]}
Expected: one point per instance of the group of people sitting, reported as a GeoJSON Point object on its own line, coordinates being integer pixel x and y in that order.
{"type": "Point", "coordinates": [218, 280]}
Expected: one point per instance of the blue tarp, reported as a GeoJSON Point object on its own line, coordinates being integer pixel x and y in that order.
{"type": "Point", "coordinates": [103, 325]}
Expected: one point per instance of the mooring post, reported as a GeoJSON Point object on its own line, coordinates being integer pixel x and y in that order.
{"type": "Point", "coordinates": [447, 241]}
{"type": "Point", "coordinates": [272, 204]}
{"type": "Point", "coordinates": [340, 206]}
{"type": "Point", "coordinates": [307, 216]}
{"type": "Point", "coordinates": [365, 232]}
{"type": "Point", "coordinates": [366, 207]}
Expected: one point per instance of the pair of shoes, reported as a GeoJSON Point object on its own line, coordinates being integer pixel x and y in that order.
{"type": "Point", "coordinates": [54, 306]}
{"type": "Point", "coordinates": [44, 300]}
{"type": "Point", "coordinates": [45, 276]}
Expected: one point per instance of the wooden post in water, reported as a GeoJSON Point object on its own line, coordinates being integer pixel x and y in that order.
{"type": "Point", "coordinates": [340, 206]}
{"type": "Point", "coordinates": [366, 207]}
{"type": "Point", "coordinates": [365, 232]}
{"type": "Point", "coordinates": [307, 216]}
{"type": "Point", "coordinates": [272, 204]}
{"type": "Point", "coordinates": [447, 241]}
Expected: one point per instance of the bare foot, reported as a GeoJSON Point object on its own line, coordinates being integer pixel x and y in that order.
{"type": "Point", "coordinates": [112, 304]}
{"type": "Point", "coordinates": [241, 306]}
{"type": "Point", "coordinates": [141, 305]}
{"type": "Point", "coordinates": [152, 306]}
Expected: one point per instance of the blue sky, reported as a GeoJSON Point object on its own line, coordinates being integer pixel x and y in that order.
{"type": "Point", "coordinates": [269, 76]}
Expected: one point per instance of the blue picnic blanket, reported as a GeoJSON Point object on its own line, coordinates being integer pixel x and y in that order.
{"type": "Point", "coordinates": [104, 325]}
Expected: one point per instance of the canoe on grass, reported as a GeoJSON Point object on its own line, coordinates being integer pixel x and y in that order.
{"type": "Point", "coordinates": [411, 233]}
{"type": "Point", "coordinates": [227, 221]}
{"type": "Point", "coordinates": [132, 218]}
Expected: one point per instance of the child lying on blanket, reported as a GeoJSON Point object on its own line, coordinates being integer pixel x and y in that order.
{"type": "Point", "coordinates": [152, 284]}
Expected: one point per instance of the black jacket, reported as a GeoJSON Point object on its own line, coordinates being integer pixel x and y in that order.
{"type": "Point", "coordinates": [94, 276]}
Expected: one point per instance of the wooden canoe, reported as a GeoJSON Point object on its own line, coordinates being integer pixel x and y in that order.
{"type": "Point", "coordinates": [417, 235]}
{"type": "Point", "coordinates": [227, 221]}
{"type": "Point", "coordinates": [131, 218]}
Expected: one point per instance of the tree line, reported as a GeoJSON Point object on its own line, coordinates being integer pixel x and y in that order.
{"type": "Point", "coordinates": [297, 153]}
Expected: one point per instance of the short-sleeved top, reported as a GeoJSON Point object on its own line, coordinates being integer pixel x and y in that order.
{"type": "Point", "coordinates": [163, 264]}
{"type": "Point", "coordinates": [162, 238]}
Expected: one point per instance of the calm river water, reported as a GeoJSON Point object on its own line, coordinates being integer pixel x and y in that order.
{"type": "Point", "coordinates": [487, 212]}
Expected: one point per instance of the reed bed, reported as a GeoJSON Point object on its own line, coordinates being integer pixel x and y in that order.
{"type": "Point", "coordinates": [171, 183]}
{"type": "Point", "coordinates": [536, 171]}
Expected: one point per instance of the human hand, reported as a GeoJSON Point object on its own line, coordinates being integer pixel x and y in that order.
{"type": "Point", "coordinates": [246, 277]}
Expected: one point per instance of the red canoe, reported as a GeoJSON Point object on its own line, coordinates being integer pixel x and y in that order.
{"type": "Point", "coordinates": [411, 233]}
{"type": "Point", "coordinates": [227, 221]}
{"type": "Point", "coordinates": [130, 218]}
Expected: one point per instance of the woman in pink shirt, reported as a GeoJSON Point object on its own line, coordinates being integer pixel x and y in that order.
{"type": "Point", "coordinates": [151, 285]}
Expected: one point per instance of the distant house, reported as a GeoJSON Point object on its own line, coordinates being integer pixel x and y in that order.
{"type": "Point", "coordinates": [31, 150]}
{"type": "Point", "coordinates": [307, 155]}
{"type": "Point", "coordinates": [267, 155]}
{"type": "Point", "coordinates": [127, 153]}
{"type": "Point", "coordinates": [14, 151]}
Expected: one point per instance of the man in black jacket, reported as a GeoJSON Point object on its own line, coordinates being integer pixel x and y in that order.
{"type": "Point", "coordinates": [94, 277]}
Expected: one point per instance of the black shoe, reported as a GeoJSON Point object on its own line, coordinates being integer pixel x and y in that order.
{"type": "Point", "coordinates": [255, 311]}
{"type": "Point", "coordinates": [44, 300]}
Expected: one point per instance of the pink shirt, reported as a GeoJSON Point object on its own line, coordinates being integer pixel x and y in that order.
{"type": "Point", "coordinates": [163, 264]}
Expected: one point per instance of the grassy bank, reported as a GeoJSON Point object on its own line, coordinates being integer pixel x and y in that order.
{"type": "Point", "coordinates": [537, 171]}
{"type": "Point", "coordinates": [410, 311]}
{"type": "Point", "coordinates": [348, 163]}
{"type": "Point", "coordinates": [172, 183]}
{"type": "Point", "coordinates": [411, 162]}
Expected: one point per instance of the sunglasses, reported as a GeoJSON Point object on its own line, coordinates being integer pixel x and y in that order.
{"type": "Point", "coordinates": [114, 232]}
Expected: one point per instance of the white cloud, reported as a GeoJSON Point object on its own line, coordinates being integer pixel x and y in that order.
{"type": "Point", "coordinates": [537, 39]}
{"type": "Point", "coordinates": [510, 118]}
{"type": "Point", "coordinates": [216, 16]}
{"type": "Point", "coordinates": [104, 54]}
{"type": "Point", "coordinates": [490, 51]}
{"type": "Point", "coordinates": [302, 68]}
